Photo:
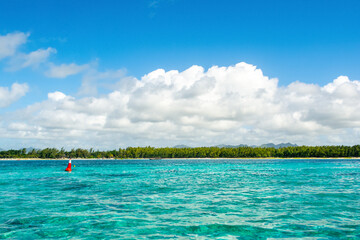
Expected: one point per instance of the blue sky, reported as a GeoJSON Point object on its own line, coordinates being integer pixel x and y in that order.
{"type": "Point", "coordinates": [292, 40]}
{"type": "Point", "coordinates": [312, 42]}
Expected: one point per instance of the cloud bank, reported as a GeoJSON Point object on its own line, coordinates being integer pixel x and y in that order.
{"type": "Point", "coordinates": [230, 105]}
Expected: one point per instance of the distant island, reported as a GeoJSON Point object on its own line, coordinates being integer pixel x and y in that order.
{"type": "Point", "coordinates": [181, 151]}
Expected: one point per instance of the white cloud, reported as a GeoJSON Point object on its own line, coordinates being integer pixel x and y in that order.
{"type": "Point", "coordinates": [65, 70]}
{"type": "Point", "coordinates": [9, 43]}
{"type": "Point", "coordinates": [8, 96]}
{"type": "Point", "coordinates": [56, 96]}
{"type": "Point", "coordinates": [232, 105]}
{"type": "Point", "coordinates": [33, 59]}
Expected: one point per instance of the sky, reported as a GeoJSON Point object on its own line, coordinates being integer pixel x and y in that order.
{"type": "Point", "coordinates": [109, 74]}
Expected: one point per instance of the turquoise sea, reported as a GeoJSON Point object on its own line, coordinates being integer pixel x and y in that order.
{"type": "Point", "coordinates": [180, 199]}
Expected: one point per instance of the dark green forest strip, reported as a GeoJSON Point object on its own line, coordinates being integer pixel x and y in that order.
{"type": "Point", "coordinates": [199, 152]}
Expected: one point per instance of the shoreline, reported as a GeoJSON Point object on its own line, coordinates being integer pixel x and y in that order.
{"type": "Point", "coordinates": [122, 159]}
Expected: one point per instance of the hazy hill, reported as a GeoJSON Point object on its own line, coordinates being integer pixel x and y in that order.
{"type": "Point", "coordinates": [267, 145]}
{"type": "Point", "coordinates": [181, 146]}
{"type": "Point", "coordinates": [281, 145]}
{"type": "Point", "coordinates": [232, 146]}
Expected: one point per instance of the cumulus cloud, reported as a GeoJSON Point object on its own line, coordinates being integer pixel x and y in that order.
{"type": "Point", "coordinates": [232, 105]}
{"type": "Point", "coordinates": [9, 43]}
{"type": "Point", "coordinates": [65, 70]}
{"type": "Point", "coordinates": [8, 96]}
{"type": "Point", "coordinates": [32, 59]}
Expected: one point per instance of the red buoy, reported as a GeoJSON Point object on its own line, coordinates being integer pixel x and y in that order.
{"type": "Point", "coordinates": [68, 169]}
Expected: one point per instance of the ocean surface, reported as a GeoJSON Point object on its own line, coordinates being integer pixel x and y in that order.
{"type": "Point", "coordinates": [180, 199]}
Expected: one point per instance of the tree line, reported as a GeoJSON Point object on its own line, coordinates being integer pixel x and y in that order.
{"type": "Point", "coordinates": [198, 152]}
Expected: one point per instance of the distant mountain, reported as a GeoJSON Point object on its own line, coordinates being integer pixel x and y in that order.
{"type": "Point", "coordinates": [231, 146]}
{"type": "Point", "coordinates": [277, 146]}
{"type": "Point", "coordinates": [181, 146]}
{"type": "Point", "coordinates": [268, 145]}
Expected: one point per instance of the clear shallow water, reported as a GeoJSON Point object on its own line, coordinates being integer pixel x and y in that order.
{"type": "Point", "coordinates": [184, 199]}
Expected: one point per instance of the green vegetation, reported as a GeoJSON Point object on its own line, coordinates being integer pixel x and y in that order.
{"type": "Point", "coordinates": [200, 152]}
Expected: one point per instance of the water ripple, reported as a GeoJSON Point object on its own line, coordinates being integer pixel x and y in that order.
{"type": "Point", "coordinates": [184, 199]}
